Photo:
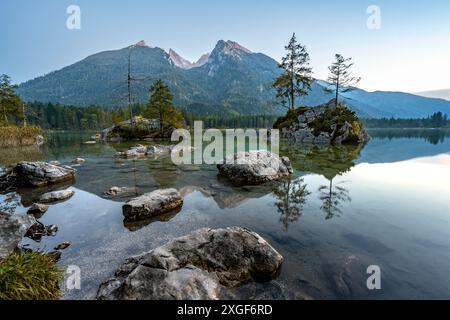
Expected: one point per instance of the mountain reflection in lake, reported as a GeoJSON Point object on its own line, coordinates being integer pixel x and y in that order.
{"type": "Point", "coordinates": [345, 208]}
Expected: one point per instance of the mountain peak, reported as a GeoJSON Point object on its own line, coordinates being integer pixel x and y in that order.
{"type": "Point", "coordinates": [141, 44]}
{"type": "Point", "coordinates": [203, 59]}
{"type": "Point", "coordinates": [183, 63]}
{"type": "Point", "coordinates": [179, 61]}
{"type": "Point", "coordinates": [230, 47]}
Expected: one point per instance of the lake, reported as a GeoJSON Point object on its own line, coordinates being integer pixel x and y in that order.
{"type": "Point", "coordinates": [344, 209]}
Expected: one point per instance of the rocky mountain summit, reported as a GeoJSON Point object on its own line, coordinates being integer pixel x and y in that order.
{"type": "Point", "coordinates": [183, 63]}
{"type": "Point", "coordinates": [324, 124]}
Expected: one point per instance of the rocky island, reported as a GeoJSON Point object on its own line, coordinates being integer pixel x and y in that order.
{"type": "Point", "coordinates": [325, 124]}
{"type": "Point", "coordinates": [139, 128]}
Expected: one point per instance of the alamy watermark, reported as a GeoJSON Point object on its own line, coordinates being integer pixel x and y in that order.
{"type": "Point", "coordinates": [192, 150]}
{"type": "Point", "coordinates": [374, 280]}
{"type": "Point", "coordinates": [374, 20]}
{"type": "Point", "coordinates": [72, 279]}
{"type": "Point", "coordinates": [73, 21]}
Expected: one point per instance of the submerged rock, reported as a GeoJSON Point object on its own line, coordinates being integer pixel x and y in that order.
{"type": "Point", "coordinates": [133, 152]}
{"type": "Point", "coordinates": [12, 229]}
{"type": "Point", "coordinates": [159, 149]}
{"type": "Point", "coordinates": [39, 230]}
{"type": "Point", "coordinates": [79, 161]}
{"type": "Point", "coordinates": [38, 209]}
{"type": "Point", "coordinates": [255, 167]}
{"type": "Point", "coordinates": [38, 174]}
{"type": "Point", "coordinates": [324, 124]}
{"type": "Point", "coordinates": [151, 204]}
{"type": "Point", "coordinates": [143, 151]}
{"type": "Point", "coordinates": [56, 196]}
{"type": "Point", "coordinates": [116, 191]}
{"type": "Point", "coordinates": [196, 266]}
{"type": "Point", "coordinates": [62, 246]}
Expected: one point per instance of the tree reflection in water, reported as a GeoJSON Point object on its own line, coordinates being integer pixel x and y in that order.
{"type": "Point", "coordinates": [291, 195]}
{"type": "Point", "coordinates": [332, 197]}
{"type": "Point", "coordinates": [329, 161]}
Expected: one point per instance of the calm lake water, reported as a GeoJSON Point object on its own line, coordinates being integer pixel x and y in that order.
{"type": "Point", "coordinates": [345, 208]}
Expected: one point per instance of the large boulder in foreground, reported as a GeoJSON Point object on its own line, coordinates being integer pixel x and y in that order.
{"type": "Point", "coordinates": [196, 266]}
{"type": "Point", "coordinates": [324, 124]}
{"type": "Point", "coordinates": [12, 230]}
{"type": "Point", "coordinates": [39, 174]}
{"type": "Point", "coordinates": [151, 204]}
{"type": "Point", "coordinates": [255, 167]}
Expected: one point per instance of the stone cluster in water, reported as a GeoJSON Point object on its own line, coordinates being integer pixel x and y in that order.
{"type": "Point", "coordinates": [197, 266]}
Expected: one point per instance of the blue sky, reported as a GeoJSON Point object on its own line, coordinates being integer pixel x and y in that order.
{"type": "Point", "coordinates": [411, 51]}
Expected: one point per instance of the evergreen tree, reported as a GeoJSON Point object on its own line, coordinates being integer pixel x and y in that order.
{"type": "Point", "coordinates": [341, 76]}
{"type": "Point", "coordinates": [297, 78]}
{"type": "Point", "coordinates": [161, 107]}
{"type": "Point", "coordinates": [10, 104]}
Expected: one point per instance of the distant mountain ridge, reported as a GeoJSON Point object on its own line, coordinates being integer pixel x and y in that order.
{"type": "Point", "coordinates": [439, 94]}
{"type": "Point", "coordinates": [231, 80]}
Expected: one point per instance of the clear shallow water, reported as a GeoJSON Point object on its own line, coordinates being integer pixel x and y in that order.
{"type": "Point", "coordinates": [346, 208]}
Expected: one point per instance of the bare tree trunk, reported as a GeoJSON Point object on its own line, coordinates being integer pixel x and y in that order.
{"type": "Point", "coordinates": [337, 87]}
{"type": "Point", "coordinates": [130, 108]}
{"type": "Point", "coordinates": [24, 115]}
{"type": "Point", "coordinates": [161, 122]}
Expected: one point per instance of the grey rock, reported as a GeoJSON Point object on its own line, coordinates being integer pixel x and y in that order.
{"type": "Point", "coordinates": [115, 191]}
{"type": "Point", "coordinates": [143, 151]}
{"type": "Point", "coordinates": [152, 204]}
{"type": "Point", "coordinates": [140, 129]}
{"type": "Point", "coordinates": [12, 230]}
{"type": "Point", "coordinates": [255, 167]}
{"type": "Point", "coordinates": [134, 152]}
{"type": "Point", "coordinates": [39, 230]}
{"type": "Point", "coordinates": [196, 266]}
{"type": "Point", "coordinates": [38, 174]}
{"type": "Point", "coordinates": [38, 209]}
{"type": "Point", "coordinates": [54, 255]}
{"type": "Point", "coordinates": [157, 150]}
{"type": "Point", "coordinates": [79, 161]}
{"type": "Point", "coordinates": [62, 246]}
{"type": "Point", "coordinates": [56, 196]}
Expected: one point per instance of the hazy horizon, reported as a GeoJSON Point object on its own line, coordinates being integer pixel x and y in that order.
{"type": "Point", "coordinates": [408, 53]}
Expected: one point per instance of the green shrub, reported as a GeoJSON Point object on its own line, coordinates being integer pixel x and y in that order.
{"type": "Point", "coordinates": [290, 118]}
{"type": "Point", "coordinates": [29, 275]}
